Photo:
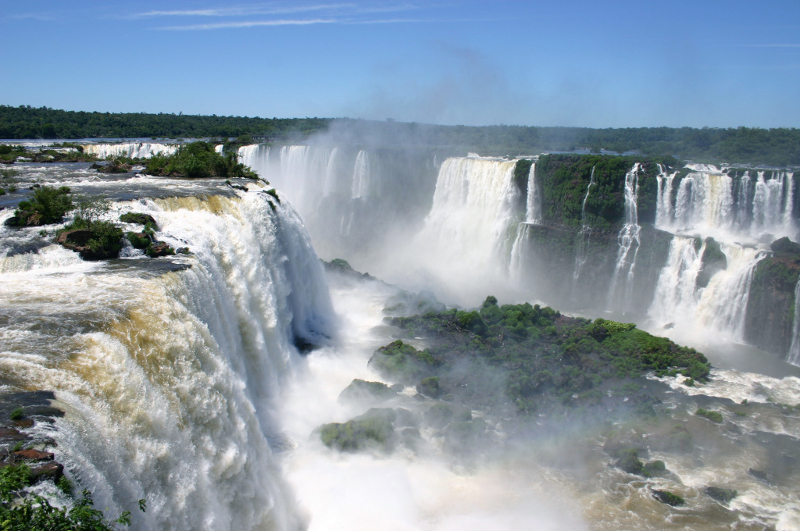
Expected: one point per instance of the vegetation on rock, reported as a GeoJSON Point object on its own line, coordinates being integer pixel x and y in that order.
{"type": "Point", "coordinates": [713, 416]}
{"type": "Point", "coordinates": [545, 360]}
{"type": "Point", "coordinates": [48, 205]}
{"type": "Point", "coordinates": [198, 159]}
{"type": "Point", "coordinates": [664, 496]}
{"type": "Point", "coordinates": [372, 430]}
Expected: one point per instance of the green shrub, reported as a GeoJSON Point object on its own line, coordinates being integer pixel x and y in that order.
{"type": "Point", "coordinates": [713, 416]}
{"type": "Point", "coordinates": [48, 205]}
{"type": "Point", "coordinates": [18, 413]}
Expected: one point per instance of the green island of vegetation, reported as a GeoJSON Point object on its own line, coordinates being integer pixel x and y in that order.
{"type": "Point", "coordinates": [198, 159]}
{"type": "Point", "coordinates": [548, 361]}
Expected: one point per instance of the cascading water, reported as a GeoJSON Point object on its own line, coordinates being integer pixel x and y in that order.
{"type": "Point", "coordinates": [582, 239]}
{"type": "Point", "coordinates": [628, 239]}
{"type": "Point", "coordinates": [471, 227]}
{"type": "Point", "coordinates": [533, 203]}
{"type": "Point", "coordinates": [135, 150]}
{"type": "Point", "coordinates": [664, 197]}
{"type": "Point", "coordinates": [350, 198]}
{"type": "Point", "coordinates": [794, 349]}
{"type": "Point", "coordinates": [168, 380]}
{"type": "Point", "coordinates": [676, 297]}
{"type": "Point", "coordinates": [723, 303]}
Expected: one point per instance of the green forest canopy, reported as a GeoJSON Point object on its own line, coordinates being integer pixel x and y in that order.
{"type": "Point", "coordinates": [778, 147]}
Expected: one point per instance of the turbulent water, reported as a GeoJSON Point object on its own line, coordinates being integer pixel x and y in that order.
{"type": "Point", "coordinates": [182, 383]}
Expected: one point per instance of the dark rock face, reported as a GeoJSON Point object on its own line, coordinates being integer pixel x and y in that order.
{"type": "Point", "coordinates": [714, 261]}
{"type": "Point", "coordinates": [575, 268]}
{"type": "Point", "coordinates": [770, 308]}
{"type": "Point", "coordinates": [720, 494]}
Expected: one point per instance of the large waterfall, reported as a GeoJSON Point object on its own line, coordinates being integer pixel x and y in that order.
{"type": "Point", "coordinates": [169, 379]}
{"type": "Point", "coordinates": [722, 204]}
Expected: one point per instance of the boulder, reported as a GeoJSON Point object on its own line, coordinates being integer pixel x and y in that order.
{"type": "Point", "coordinates": [33, 455]}
{"type": "Point", "coordinates": [664, 496]}
{"type": "Point", "coordinates": [52, 471]}
{"type": "Point", "coordinates": [159, 249]}
{"type": "Point", "coordinates": [720, 494]}
{"type": "Point", "coordinates": [361, 390]}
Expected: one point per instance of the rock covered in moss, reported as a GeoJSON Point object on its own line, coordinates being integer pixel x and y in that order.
{"type": "Point", "coordinates": [629, 462]}
{"type": "Point", "coordinates": [429, 387]}
{"type": "Point", "coordinates": [667, 497]}
{"type": "Point", "coordinates": [401, 362]}
{"type": "Point", "coordinates": [720, 494]}
{"type": "Point", "coordinates": [362, 390]}
{"type": "Point", "coordinates": [372, 430]}
{"type": "Point", "coordinates": [139, 218]}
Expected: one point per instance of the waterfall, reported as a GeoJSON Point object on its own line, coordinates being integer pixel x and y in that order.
{"type": "Point", "coordinates": [663, 197]}
{"type": "Point", "coordinates": [256, 156]}
{"type": "Point", "coordinates": [676, 294]}
{"type": "Point", "coordinates": [723, 302]}
{"type": "Point", "coordinates": [628, 240]}
{"type": "Point", "coordinates": [134, 150]}
{"type": "Point", "coordinates": [533, 203]}
{"type": "Point", "coordinates": [169, 379]}
{"type": "Point", "coordinates": [470, 230]}
{"type": "Point", "coordinates": [582, 241]}
{"type": "Point", "coordinates": [743, 200]}
{"type": "Point", "coordinates": [704, 202]}
{"type": "Point", "coordinates": [794, 350]}
{"type": "Point", "coordinates": [361, 181]}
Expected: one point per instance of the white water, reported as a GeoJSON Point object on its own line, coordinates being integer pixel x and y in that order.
{"type": "Point", "coordinates": [169, 380]}
{"type": "Point", "coordinates": [469, 233]}
{"type": "Point", "coordinates": [136, 150]}
{"type": "Point", "coordinates": [624, 270]}
{"type": "Point", "coordinates": [794, 349]}
{"type": "Point", "coordinates": [716, 313]}
{"type": "Point", "coordinates": [533, 202]}
{"type": "Point", "coordinates": [728, 207]}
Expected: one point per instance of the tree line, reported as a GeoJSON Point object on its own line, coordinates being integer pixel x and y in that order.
{"type": "Point", "coordinates": [742, 145]}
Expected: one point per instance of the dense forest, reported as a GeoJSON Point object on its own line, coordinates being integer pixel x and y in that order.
{"type": "Point", "coordinates": [777, 147]}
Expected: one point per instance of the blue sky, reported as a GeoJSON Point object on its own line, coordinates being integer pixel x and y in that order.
{"type": "Point", "coordinates": [574, 63]}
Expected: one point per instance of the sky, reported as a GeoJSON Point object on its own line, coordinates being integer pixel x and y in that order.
{"type": "Point", "coordinates": [679, 63]}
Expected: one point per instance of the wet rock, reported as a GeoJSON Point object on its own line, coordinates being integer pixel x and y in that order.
{"type": "Point", "coordinates": [139, 218]}
{"type": "Point", "coordinates": [182, 250]}
{"type": "Point", "coordinates": [655, 469]}
{"type": "Point", "coordinates": [361, 390]}
{"type": "Point", "coordinates": [759, 475]}
{"type": "Point", "coordinates": [159, 249]}
{"type": "Point", "coordinates": [33, 455]}
{"type": "Point", "coordinates": [664, 496]}
{"type": "Point", "coordinates": [720, 494]}
{"type": "Point", "coordinates": [372, 430]}
{"type": "Point", "coordinates": [439, 416]}
{"type": "Point", "coordinates": [10, 435]}
{"type": "Point", "coordinates": [49, 471]}
{"type": "Point", "coordinates": [629, 462]}
{"type": "Point", "coordinates": [43, 411]}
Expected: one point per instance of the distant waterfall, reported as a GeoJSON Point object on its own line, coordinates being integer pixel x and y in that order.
{"type": "Point", "coordinates": [169, 379]}
{"type": "Point", "coordinates": [794, 349]}
{"type": "Point", "coordinates": [628, 239]}
{"type": "Point", "coordinates": [533, 203]}
{"type": "Point", "coordinates": [134, 150]}
{"type": "Point", "coordinates": [582, 239]}
{"type": "Point", "coordinates": [350, 197]}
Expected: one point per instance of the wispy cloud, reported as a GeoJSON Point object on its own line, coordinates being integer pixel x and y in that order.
{"type": "Point", "coordinates": [243, 11]}
{"type": "Point", "coordinates": [251, 23]}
